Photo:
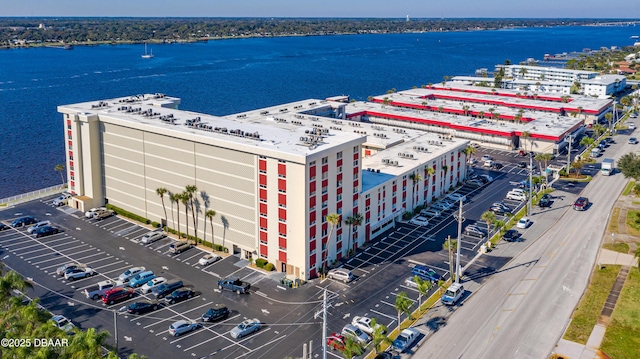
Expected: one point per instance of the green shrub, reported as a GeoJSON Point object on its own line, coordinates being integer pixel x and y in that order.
{"type": "Point", "coordinates": [261, 262]}
{"type": "Point", "coordinates": [123, 213]}
{"type": "Point", "coordinates": [155, 224]}
{"type": "Point", "coordinates": [269, 267]}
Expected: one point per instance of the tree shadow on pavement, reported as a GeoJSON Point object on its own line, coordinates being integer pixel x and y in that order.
{"type": "Point", "coordinates": [435, 323]}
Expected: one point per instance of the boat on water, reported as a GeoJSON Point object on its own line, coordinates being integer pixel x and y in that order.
{"type": "Point", "coordinates": [147, 55]}
{"type": "Point", "coordinates": [635, 37]}
{"type": "Point", "coordinates": [68, 47]}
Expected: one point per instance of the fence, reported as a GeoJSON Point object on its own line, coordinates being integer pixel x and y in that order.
{"type": "Point", "coordinates": [24, 197]}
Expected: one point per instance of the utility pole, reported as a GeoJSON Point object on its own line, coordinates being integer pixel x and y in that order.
{"type": "Point", "coordinates": [460, 219]}
{"type": "Point", "coordinates": [451, 270]}
{"type": "Point", "coordinates": [530, 183]}
{"type": "Point", "coordinates": [569, 154]}
{"type": "Point", "coordinates": [324, 325]}
{"type": "Point", "coordinates": [115, 329]}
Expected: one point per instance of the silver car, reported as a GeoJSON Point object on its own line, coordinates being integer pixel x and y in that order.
{"type": "Point", "coordinates": [183, 326]}
{"type": "Point", "coordinates": [354, 332]}
{"type": "Point", "coordinates": [130, 273]}
{"type": "Point", "coordinates": [245, 328]}
{"type": "Point", "coordinates": [152, 237]}
{"type": "Point", "coordinates": [38, 225]}
{"type": "Point", "coordinates": [340, 274]}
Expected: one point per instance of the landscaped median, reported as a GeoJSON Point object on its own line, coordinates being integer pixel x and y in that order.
{"type": "Point", "coordinates": [622, 338]}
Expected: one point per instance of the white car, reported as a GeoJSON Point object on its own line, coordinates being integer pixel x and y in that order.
{"type": "Point", "coordinates": [78, 273]}
{"type": "Point", "coordinates": [148, 287]}
{"type": "Point", "coordinates": [208, 259]}
{"type": "Point", "coordinates": [420, 221]}
{"type": "Point", "coordinates": [523, 223]}
{"type": "Point", "coordinates": [130, 273]}
{"type": "Point", "coordinates": [632, 126]}
{"type": "Point", "coordinates": [487, 158]}
{"type": "Point", "coordinates": [63, 323]}
{"type": "Point", "coordinates": [38, 225]}
{"type": "Point", "coordinates": [411, 282]}
{"type": "Point", "coordinates": [457, 197]}
{"type": "Point", "coordinates": [444, 206]}
{"type": "Point", "coordinates": [488, 163]}
{"type": "Point", "coordinates": [430, 212]}
{"type": "Point", "coordinates": [152, 237]}
{"type": "Point", "coordinates": [89, 214]}
{"type": "Point", "coordinates": [341, 274]}
{"type": "Point", "coordinates": [516, 196]}
{"type": "Point", "coordinates": [364, 324]}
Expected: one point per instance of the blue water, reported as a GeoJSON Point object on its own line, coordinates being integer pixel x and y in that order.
{"type": "Point", "coordinates": [223, 77]}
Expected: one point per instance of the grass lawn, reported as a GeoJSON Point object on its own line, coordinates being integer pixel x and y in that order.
{"type": "Point", "coordinates": [622, 338]}
{"type": "Point", "coordinates": [633, 223]}
{"type": "Point", "coordinates": [586, 314]}
{"type": "Point", "coordinates": [613, 222]}
{"type": "Point", "coordinates": [628, 189]}
{"type": "Point", "coordinates": [618, 247]}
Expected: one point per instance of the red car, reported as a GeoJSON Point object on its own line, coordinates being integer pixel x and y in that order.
{"type": "Point", "coordinates": [117, 294]}
{"type": "Point", "coordinates": [336, 342]}
{"type": "Point", "coordinates": [581, 204]}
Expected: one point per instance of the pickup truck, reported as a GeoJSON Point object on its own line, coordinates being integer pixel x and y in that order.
{"type": "Point", "coordinates": [234, 285]}
{"type": "Point", "coordinates": [97, 291]}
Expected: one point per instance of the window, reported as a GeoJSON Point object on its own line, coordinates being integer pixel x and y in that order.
{"type": "Point", "coordinates": [339, 169]}
{"type": "Point", "coordinates": [312, 163]}
{"type": "Point", "coordinates": [325, 160]}
{"type": "Point", "coordinates": [325, 175]}
{"type": "Point", "coordinates": [339, 184]}
{"type": "Point", "coordinates": [355, 163]}
{"type": "Point", "coordinates": [339, 155]}
{"type": "Point", "coordinates": [324, 233]}
{"type": "Point", "coordinates": [324, 189]}
{"type": "Point", "coordinates": [339, 197]}
{"type": "Point", "coordinates": [325, 204]}
{"type": "Point", "coordinates": [355, 149]}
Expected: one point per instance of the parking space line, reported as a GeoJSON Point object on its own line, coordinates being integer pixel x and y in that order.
{"type": "Point", "coordinates": [29, 252]}
{"type": "Point", "coordinates": [396, 294]}
{"type": "Point", "coordinates": [107, 265]}
{"type": "Point", "coordinates": [193, 256]}
{"type": "Point", "coordinates": [22, 243]}
{"type": "Point", "coordinates": [244, 340]}
{"type": "Point", "coordinates": [183, 314]}
{"type": "Point", "coordinates": [384, 315]}
{"type": "Point", "coordinates": [81, 259]}
{"type": "Point", "coordinates": [68, 249]}
{"type": "Point", "coordinates": [42, 255]}
{"type": "Point", "coordinates": [46, 260]}
{"type": "Point", "coordinates": [116, 270]}
{"type": "Point", "coordinates": [101, 259]}
{"type": "Point", "coordinates": [66, 237]}
{"type": "Point", "coordinates": [263, 345]}
{"type": "Point", "coordinates": [84, 250]}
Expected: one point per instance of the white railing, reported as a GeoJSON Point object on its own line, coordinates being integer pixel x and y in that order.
{"type": "Point", "coordinates": [24, 197]}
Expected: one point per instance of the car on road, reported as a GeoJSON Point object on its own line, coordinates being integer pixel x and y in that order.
{"type": "Point", "coordinates": [38, 225]}
{"type": "Point", "coordinates": [633, 141]}
{"type": "Point", "coordinates": [545, 201]}
{"type": "Point", "coordinates": [355, 333]}
{"type": "Point", "coordinates": [426, 273]}
{"type": "Point", "coordinates": [90, 213]}
{"type": "Point", "coordinates": [117, 294]}
{"type": "Point", "coordinates": [365, 324]}
{"type": "Point", "coordinates": [130, 273]}
{"type": "Point", "coordinates": [405, 339]}
{"type": "Point", "coordinates": [67, 266]}
{"type": "Point", "coordinates": [23, 221]}
{"type": "Point", "coordinates": [245, 328]}
{"type": "Point", "coordinates": [473, 230]}
{"type": "Point", "coordinates": [336, 342]}
{"type": "Point", "coordinates": [103, 214]}
{"type": "Point", "coordinates": [148, 287]}
{"type": "Point", "coordinates": [340, 274]}
{"type": "Point", "coordinates": [183, 326]}
{"type": "Point", "coordinates": [141, 279]}
{"type": "Point", "coordinates": [209, 259]}
{"type": "Point", "coordinates": [420, 221]}
{"type": "Point", "coordinates": [142, 307]}
{"type": "Point", "coordinates": [152, 236]}
{"type": "Point", "coordinates": [524, 223]}
{"type": "Point", "coordinates": [78, 273]}
{"type": "Point", "coordinates": [456, 197]}
{"type": "Point", "coordinates": [453, 294]}
{"type": "Point", "coordinates": [511, 235]}
{"type": "Point", "coordinates": [218, 312]}
{"type": "Point", "coordinates": [581, 204]}
{"type": "Point", "coordinates": [179, 295]}
{"type": "Point", "coordinates": [430, 212]}
{"type": "Point", "coordinates": [61, 322]}
{"type": "Point", "coordinates": [45, 231]}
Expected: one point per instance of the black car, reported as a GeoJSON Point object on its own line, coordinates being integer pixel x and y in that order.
{"type": "Point", "coordinates": [384, 355]}
{"type": "Point", "coordinates": [216, 313]}
{"type": "Point", "coordinates": [545, 201]}
{"type": "Point", "coordinates": [45, 231]}
{"type": "Point", "coordinates": [522, 164]}
{"type": "Point", "coordinates": [500, 208]}
{"type": "Point", "coordinates": [511, 235]}
{"type": "Point", "coordinates": [165, 289]}
{"type": "Point", "coordinates": [3, 227]}
{"type": "Point", "coordinates": [142, 307]}
{"type": "Point", "coordinates": [23, 221]}
{"type": "Point", "coordinates": [180, 295]}
{"type": "Point", "coordinates": [496, 165]}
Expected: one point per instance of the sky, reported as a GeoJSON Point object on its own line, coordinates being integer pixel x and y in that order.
{"type": "Point", "coordinates": [326, 8]}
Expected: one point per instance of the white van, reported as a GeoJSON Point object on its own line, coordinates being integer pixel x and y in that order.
{"type": "Point", "coordinates": [453, 294]}
{"type": "Point", "coordinates": [595, 153]}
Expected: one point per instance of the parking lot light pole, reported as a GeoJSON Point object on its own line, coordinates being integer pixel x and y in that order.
{"type": "Point", "coordinates": [569, 154]}
{"type": "Point", "coordinates": [460, 219]}
{"type": "Point", "coordinates": [530, 183]}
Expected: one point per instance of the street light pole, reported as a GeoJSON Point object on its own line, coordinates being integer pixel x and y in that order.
{"type": "Point", "coordinates": [115, 329]}
{"type": "Point", "coordinates": [569, 154]}
{"type": "Point", "coordinates": [530, 182]}
{"type": "Point", "coordinates": [324, 325]}
{"type": "Point", "coordinates": [460, 219]}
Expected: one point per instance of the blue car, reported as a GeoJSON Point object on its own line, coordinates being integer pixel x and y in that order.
{"type": "Point", "coordinates": [426, 273]}
{"type": "Point", "coordinates": [141, 279]}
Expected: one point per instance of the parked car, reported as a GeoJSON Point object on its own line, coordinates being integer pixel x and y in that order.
{"type": "Point", "coordinates": [545, 201]}
{"type": "Point", "coordinates": [148, 287]}
{"type": "Point", "coordinates": [61, 201]}
{"type": "Point", "coordinates": [411, 282]}
{"type": "Point", "coordinates": [90, 213]}
{"type": "Point", "coordinates": [426, 273]}
{"type": "Point", "coordinates": [340, 274]}
{"type": "Point", "coordinates": [385, 355]}
{"type": "Point", "coordinates": [234, 284]}
{"type": "Point", "coordinates": [215, 314]}
{"type": "Point", "coordinates": [420, 221]}
{"type": "Point", "coordinates": [488, 163]}
{"type": "Point", "coordinates": [473, 230]}
{"type": "Point", "coordinates": [430, 212]}
{"type": "Point", "coordinates": [453, 294]}
{"type": "Point", "coordinates": [522, 164]}
{"type": "Point", "coordinates": [3, 227]}
{"type": "Point", "coordinates": [38, 225]}
{"type": "Point", "coordinates": [441, 205]}
{"type": "Point", "coordinates": [517, 196]}
{"type": "Point", "coordinates": [23, 221]}
{"type": "Point", "coordinates": [103, 214]}
{"type": "Point", "coordinates": [141, 279]}
{"type": "Point", "coordinates": [78, 273]}
{"type": "Point", "coordinates": [511, 235]}
{"type": "Point", "coordinates": [487, 158]}
{"type": "Point", "coordinates": [365, 324]}
{"type": "Point", "coordinates": [486, 178]}
{"type": "Point", "coordinates": [65, 267]}
{"type": "Point", "coordinates": [475, 183]}
{"type": "Point", "coordinates": [117, 294]}
{"type": "Point", "coordinates": [61, 322]}
{"type": "Point", "coordinates": [405, 339]}
{"type": "Point", "coordinates": [130, 273]}
{"type": "Point", "coordinates": [97, 291]}
{"type": "Point", "coordinates": [457, 197]}
{"type": "Point", "coordinates": [581, 204]}
{"type": "Point", "coordinates": [142, 307]}
{"type": "Point", "coordinates": [179, 295]}
{"type": "Point", "coordinates": [183, 326]}
{"type": "Point", "coordinates": [336, 342]}
{"type": "Point", "coordinates": [523, 223]}
{"type": "Point", "coordinates": [152, 236]}
{"type": "Point", "coordinates": [179, 247]}
{"type": "Point", "coordinates": [45, 231]}
{"type": "Point", "coordinates": [209, 259]}
{"type": "Point", "coordinates": [165, 289]}
{"type": "Point", "coordinates": [633, 141]}
{"type": "Point", "coordinates": [500, 208]}
{"type": "Point", "coordinates": [357, 334]}
{"type": "Point", "coordinates": [632, 126]}
{"type": "Point", "coordinates": [245, 328]}
{"type": "Point", "coordinates": [497, 166]}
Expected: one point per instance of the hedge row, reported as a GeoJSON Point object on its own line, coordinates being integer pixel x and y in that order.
{"type": "Point", "coordinates": [122, 212]}
{"type": "Point", "coordinates": [262, 263]}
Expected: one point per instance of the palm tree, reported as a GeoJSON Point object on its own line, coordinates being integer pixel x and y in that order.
{"type": "Point", "coordinates": [86, 344]}
{"type": "Point", "coordinates": [525, 135]}
{"type": "Point", "coordinates": [349, 221]}
{"type": "Point", "coordinates": [357, 220]}
{"type": "Point", "coordinates": [481, 114]}
{"type": "Point", "coordinates": [333, 219]}
{"type": "Point", "coordinates": [543, 159]}
{"type": "Point", "coordinates": [577, 166]}
{"type": "Point", "coordinates": [451, 245]}
{"type": "Point", "coordinates": [469, 151]}
{"type": "Point", "coordinates": [587, 141]}
{"type": "Point", "coordinates": [489, 218]}
{"type": "Point", "coordinates": [403, 305]}
{"type": "Point", "coordinates": [424, 286]}
{"type": "Point", "coordinates": [190, 190]}
{"type": "Point", "coordinates": [416, 178]}
{"type": "Point", "coordinates": [379, 335]}
{"type": "Point", "coordinates": [352, 347]}
{"type": "Point", "coordinates": [609, 117]}
{"type": "Point", "coordinates": [184, 198]}
{"type": "Point", "coordinates": [176, 198]}
{"type": "Point", "coordinates": [12, 280]}
{"type": "Point", "coordinates": [209, 214]}
{"type": "Point", "coordinates": [59, 168]}
{"type": "Point", "coordinates": [465, 108]}
{"type": "Point", "coordinates": [523, 71]}
{"type": "Point", "coordinates": [161, 192]}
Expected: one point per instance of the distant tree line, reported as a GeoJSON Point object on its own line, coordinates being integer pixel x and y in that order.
{"type": "Point", "coordinates": [37, 31]}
